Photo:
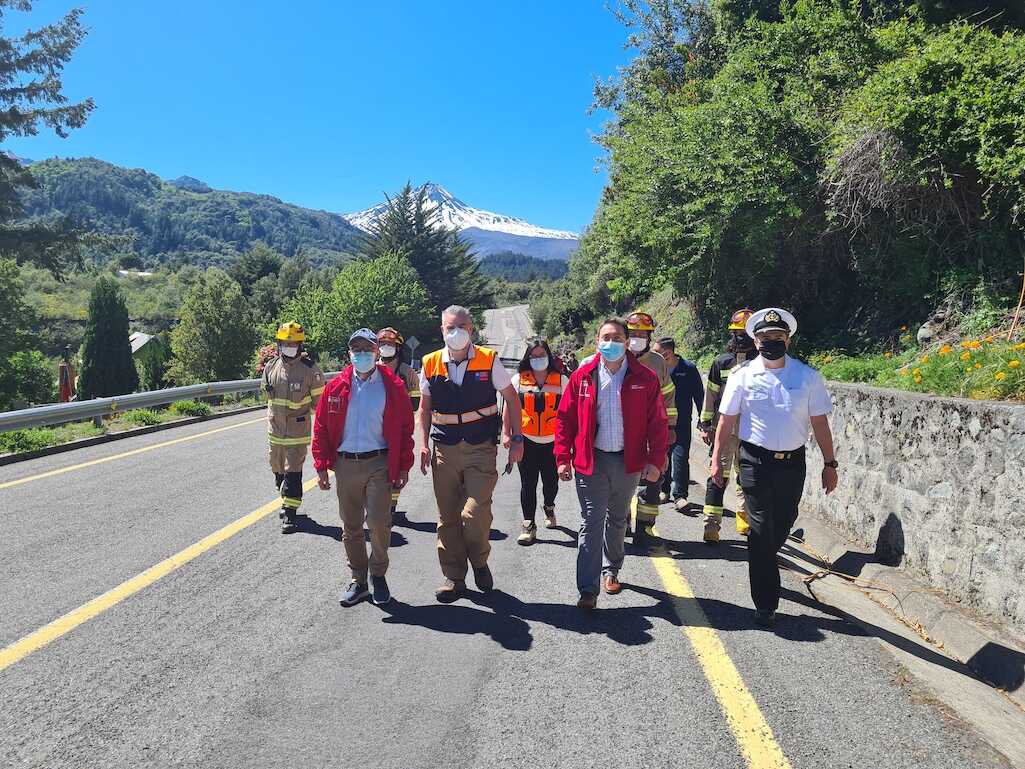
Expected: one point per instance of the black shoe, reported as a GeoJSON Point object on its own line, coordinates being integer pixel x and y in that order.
{"type": "Point", "coordinates": [381, 594]}
{"type": "Point", "coordinates": [483, 579]}
{"type": "Point", "coordinates": [450, 590]}
{"type": "Point", "coordinates": [354, 593]}
{"type": "Point", "coordinates": [288, 524]}
{"type": "Point", "coordinates": [643, 536]}
{"type": "Point", "coordinates": [765, 617]}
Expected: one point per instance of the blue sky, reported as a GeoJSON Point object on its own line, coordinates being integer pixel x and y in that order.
{"type": "Point", "coordinates": [329, 104]}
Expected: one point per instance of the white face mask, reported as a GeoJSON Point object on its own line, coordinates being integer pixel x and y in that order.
{"type": "Point", "coordinates": [457, 338]}
{"type": "Point", "coordinates": [637, 344]}
{"type": "Point", "coordinates": [289, 350]}
{"type": "Point", "coordinates": [539, 364]}
{"type": "Point", "coordinates": [387, 351]}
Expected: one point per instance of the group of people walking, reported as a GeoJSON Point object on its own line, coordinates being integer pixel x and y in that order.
{"type": "Point", "coordinates": [618, 425]}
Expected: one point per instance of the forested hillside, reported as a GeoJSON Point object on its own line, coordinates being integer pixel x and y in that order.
{"type": "Point", "coordinates": [182, 220]}
{"type": "Point", "coordinates": [861, 162]}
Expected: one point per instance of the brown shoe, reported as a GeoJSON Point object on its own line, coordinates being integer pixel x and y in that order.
{"type": "Point", "coordinates": [450, 590]}
{"type": "Point", "coordinates": [610, 582]}
{"type": "Point", "coordinates": [587, 601]}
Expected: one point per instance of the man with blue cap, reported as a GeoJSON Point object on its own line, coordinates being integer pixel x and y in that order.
{"type": "Point", "coordinates": [773, 402]}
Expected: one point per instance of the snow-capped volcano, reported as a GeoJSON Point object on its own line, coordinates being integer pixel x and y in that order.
{"type": "Point", "coordinates": [489, 232]}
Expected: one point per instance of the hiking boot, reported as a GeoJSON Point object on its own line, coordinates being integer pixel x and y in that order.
{"type": "Point", "coordinates": [610, 583]}
{"type": "Point", "coordinates": [381, 594]}
{"type": "Point", "coordinates": [549, 516]}
{"type": "Point", "coordinates": [711, 536]}
{"type": "Point", "coordinates": [450, 590]}
{"type": "Point", "coordinates": [765, 617]}
{"type": "Point", "coordinates": [483, 579]}
{"type": "Point", "coordinates": [587, 601]}
{"type": "Point", "coordinates": [528, 535]}
{"type": "Point", "coordinates": [644, 534]}
{"type": "Point", "coordinates": [288, 523]}
{"type": "Point", "coordinates": [354, 593]}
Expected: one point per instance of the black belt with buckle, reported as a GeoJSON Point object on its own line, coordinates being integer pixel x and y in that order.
{"type": "Point", "coordinates": [761, 451]}
{"type": "Point", "coordinates": [362, 454]}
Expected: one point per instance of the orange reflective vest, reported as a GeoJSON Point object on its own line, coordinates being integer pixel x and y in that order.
{"type": "Point", "coordinates": [540, 404]}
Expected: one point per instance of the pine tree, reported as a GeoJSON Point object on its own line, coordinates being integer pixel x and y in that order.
{"type": "Point", "coordinates": [31, 96]}
{"type": "Point", "coordinates": [443, 260]}
{"type": "Point", "coordinates": [107, 366]}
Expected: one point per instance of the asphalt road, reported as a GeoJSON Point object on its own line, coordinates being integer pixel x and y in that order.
{"type": "Point", "coordinates": [242, 657]}
{"type": "Point", "coordinates": [507, 329]}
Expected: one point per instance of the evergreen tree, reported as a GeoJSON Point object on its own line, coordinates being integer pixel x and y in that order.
{"type": "Point", "coordinates": [31, 96]}
{"type": "Point", "coordinates": [107, 366]}
{"type": "Point", "coordinates": [215, 339]}
{"type": "Point", "coordinates": [443, 260]}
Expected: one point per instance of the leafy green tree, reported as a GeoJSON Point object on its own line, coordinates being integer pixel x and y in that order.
{"type": "Point", "coordinates": [107, 365]}
{"type": "Point", "coordinates": [32, 378]}
{"type": "Point", "coordinates": [257, 263]}
{"type": "Point", "coordinates": [31, 97]}
{"type": "Point", "coordinates": [312, 307]}
{"type": "Point", "coordinates": [442, 259]}
{"type": "Point", "coordinates": [25, 375]}
{"type": "Point", "coordinates": [216, 337]}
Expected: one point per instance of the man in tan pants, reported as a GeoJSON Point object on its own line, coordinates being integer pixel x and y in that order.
{"type": "Point", "coordinates": [364, 431]}
{"type": "Point", "coordinates": [459, 411]}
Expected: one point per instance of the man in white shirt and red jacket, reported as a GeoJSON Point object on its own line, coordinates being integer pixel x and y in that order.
{"type": "Point", "coordinates": [363, 430]}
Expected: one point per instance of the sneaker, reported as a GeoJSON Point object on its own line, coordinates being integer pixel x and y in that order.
{"type": "Point", "coordinates": [663, 497]}
{"type": "Point", "coordinates": [450, 590]}
{"type": "Point", "coordinates": [682, 505]}
{"type": "Point", "coordinates": [528, 535]}
{"type": "Point", "coordinates": [354, 593]}
{"type": "Point", "coordinates": [288, 523]}
{"type": "Point", "coordinates": [381, 594]}
{"type": "Point", "coordinates": [765, 618]}
{"type": "Point", "coordinates": [549, 516]}
{"type": "Point", "coordinates": [711, 536]}
{"type": "Point", "coordinates": [483, 579]}
{"type": "Point", "coordinates": [610, 583]}
{"type": "Point", "coordinates": [587, 601]}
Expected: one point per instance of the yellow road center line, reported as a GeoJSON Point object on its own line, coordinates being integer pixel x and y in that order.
{"type": "Point", "coordinates": [63, 625]}
{"type": "Point", "coordinates": [133, 452]}
{"type": "Point", "coordinates": [754, 736]}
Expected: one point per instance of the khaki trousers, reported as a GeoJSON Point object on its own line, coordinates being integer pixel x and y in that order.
{"type": "Point", "coordinates": [364, 492]}
{"type": "Point", "coordinates": [287, 459]}
{"type": "Point", "coordinates": [464, 480]}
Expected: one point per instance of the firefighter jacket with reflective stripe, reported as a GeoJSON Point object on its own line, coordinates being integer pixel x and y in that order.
{"type": "Point", "coordinates": [540, 405]}
{"type": "Point", "coordinates": [657, 363]}
{"type": "Point", "coordinates": [410, 379]}
{"type": "Point", "coordinates": [293, 388]}
{"type": "Point", "coordinates": [476, 393]}
{"type": "Point", "coordinates": [718, 373]}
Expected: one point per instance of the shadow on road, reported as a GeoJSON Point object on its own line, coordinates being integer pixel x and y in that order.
{"type": "Point", "coordinates": [310, 526]}
{"type": "Point", "coordinates": [571, 533]}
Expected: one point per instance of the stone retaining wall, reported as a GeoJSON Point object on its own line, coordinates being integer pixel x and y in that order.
{"type": "Point", "coordinates": [937, 485]}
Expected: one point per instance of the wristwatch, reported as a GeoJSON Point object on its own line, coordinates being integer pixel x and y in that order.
{"type": "Point", "coordinates": [832, 463]}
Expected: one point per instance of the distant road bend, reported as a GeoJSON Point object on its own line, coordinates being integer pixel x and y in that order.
{"type": "Point", "coordinates": [507, 329]}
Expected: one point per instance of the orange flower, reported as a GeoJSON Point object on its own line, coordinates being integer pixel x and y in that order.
{"type": "Point", "coordinates": [945, 349]}
{"type": "Point", "coordinates": [978, 365]}
{"type": "Point", "coordinates": [1020, 346]}
{"type": "Point", "coordinates": [1014, 363]}
{"type": "Point", "coordinates": [918, 380]}
{"type": "Point", "coordinates": [887, 354]}
{"type": "Point", "coordinates": [918, 373]}
{"type": "Point", "coordinates": [989, 340]}
{"type": "Point", "coordinates": [1000, 376]}
{"type": "Point", "coordinates": [903, 372]}
{"type": "Point", "coordinates": [925, 359]}
{"type": "Point", "coordinates": [966, 355]}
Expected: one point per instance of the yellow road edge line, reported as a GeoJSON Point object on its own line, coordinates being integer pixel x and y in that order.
{"type": "Point", "coordinates": [122, 455]}
{"type": "Point", "coordinates": [87, 611]}
{"type": "Point", "coordinates": [753, 734]}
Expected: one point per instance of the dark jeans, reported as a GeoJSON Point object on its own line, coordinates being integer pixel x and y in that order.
{"type": "Point", "coordinates": [676, 479]}
{"type": "Point", "coordinates": [772, 488]}
{"type": "Point", "coordinates": [538, 459]}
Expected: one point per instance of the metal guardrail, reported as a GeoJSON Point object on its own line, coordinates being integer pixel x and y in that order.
{"type": "Point", "coordinates": [77, 411]}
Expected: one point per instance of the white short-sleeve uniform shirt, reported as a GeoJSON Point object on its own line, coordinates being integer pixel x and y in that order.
{"type": "Point", "coordinates": [775, 405]}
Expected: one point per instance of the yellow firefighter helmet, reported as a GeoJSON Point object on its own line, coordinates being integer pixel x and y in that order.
{"type": "Point", "coordinates": [290, 332]}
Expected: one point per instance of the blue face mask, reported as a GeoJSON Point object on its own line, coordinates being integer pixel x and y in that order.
{"type": "Point", "coordinates": [612, 351]}
{"type": "Point", "coordinates": [362, 361]}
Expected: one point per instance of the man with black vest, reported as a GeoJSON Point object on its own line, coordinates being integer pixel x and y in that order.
{"type": "Point", "coordinates": [459, 411]}
{"type": "Point", "coordinates": [773, 403]}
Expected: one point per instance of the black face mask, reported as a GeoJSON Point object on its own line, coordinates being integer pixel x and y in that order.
{"type": "Point", "coordinates": [773, 349]}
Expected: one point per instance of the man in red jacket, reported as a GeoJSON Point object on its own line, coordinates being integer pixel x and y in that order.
{"type": "Point", "coordinates": [611, 428]}
{"type": "Point", "coordinates": [363, 429]}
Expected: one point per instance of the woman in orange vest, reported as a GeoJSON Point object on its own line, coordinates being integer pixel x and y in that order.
{"type": "Point", "coordinates": [540, 383]}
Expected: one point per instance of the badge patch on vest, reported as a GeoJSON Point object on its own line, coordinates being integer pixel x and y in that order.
{"type": "Point", "coordinates": [483, 376]}
{"type": "Point", "coordinates": [334, 404]}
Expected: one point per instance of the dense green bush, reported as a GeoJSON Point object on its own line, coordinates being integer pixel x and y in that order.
{"type": "Point", "coordinates": [17, 441]}
{"type": "Point", "coordinates": [142, 417]}
{"type": "Point", "coordinates": [190, 409]}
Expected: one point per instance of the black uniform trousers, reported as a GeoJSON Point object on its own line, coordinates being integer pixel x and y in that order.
{"type": "Point", "coordinates": [538, 459]}
{"type": "Point", "coordinates": [773, 484]}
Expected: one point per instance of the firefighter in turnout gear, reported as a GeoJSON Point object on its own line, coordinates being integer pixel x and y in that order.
{"type": "Point", "coordinates": [390, 344]}
{"type": "Point", "coordinates": [739, 350]}
{"type": "Point", "coordinates": [293, 385]}
{"type": "Point", "coordinates": [640, 327]}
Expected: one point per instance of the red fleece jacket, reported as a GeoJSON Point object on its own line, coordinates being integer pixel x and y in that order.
{"type": "Point", "coordinates": [645, 424]}
{"type": "Point", "coordinates": [329, 422]}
